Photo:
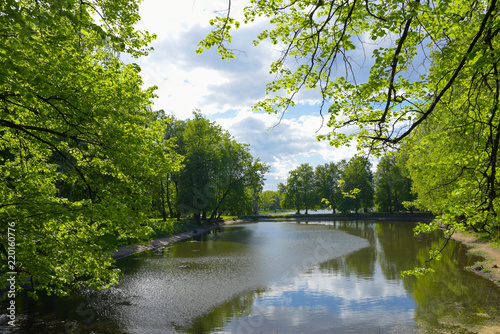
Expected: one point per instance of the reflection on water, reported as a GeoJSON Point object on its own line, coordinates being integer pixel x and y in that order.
{"type": "Point", "coordinates": [335, 277]}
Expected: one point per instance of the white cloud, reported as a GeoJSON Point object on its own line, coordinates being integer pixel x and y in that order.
{"type": "Point", "coordinates": [283, 144]}
{"type": "Point", "coordinates": [226, 91]}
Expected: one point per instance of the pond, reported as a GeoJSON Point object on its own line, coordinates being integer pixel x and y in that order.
{"type": "Point", "coordinates": [282, 277]}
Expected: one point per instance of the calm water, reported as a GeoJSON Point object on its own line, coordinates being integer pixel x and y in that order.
{"type": "Point", "coordinates": [270, 277]}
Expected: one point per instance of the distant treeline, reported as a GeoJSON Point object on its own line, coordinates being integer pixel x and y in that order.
{"type": "Point", "coordinates": [345, 186]}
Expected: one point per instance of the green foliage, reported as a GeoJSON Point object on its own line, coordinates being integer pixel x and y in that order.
{"type": "Point", "coordinates": [270, 200]}
{"type": "Point", "coordinates": [343, 186]}
{"type": "Point", "coordinates": [392, 187]}
{"type": "Point", "coordinates": [357, 185]}
{"type": "Point", "coordinates": [300, 191]}
{"type": "Point", "coordinates": [328, 186]}
{"type": "Point", "coordinates": [219, 173]}
{"type": "Point", "coordinates": [78, 142]}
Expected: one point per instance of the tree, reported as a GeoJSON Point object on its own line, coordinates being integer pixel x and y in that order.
{"type": "Point", "coordinates": [77, 138]}
{"type": "Point", "coordinates": [202, 146]}
{"type": "Point", "coordinates": [308, 189]}
{"type": "Point", "coordinates": [291, 192]}
{"type": "Point", "coordinates": [392, 101]}
{"type": "Point", "coordinates": [216, 168]}
{"type": "Point", "coordinates": [270, 200]}
{"type": "Point", "coordinates": [357, 175]}
{"type": "Point", "coordinates": [427, 65]}
{"type": "Point", "coordinates": [392, 187]}
{"type": "Point", "coordinates": [327, 178]}
{"type": "Point", "coordinates": [300, 191]}
{"type": "Point", "coordinates": [163, 183]}
{"type": "Point", "coordinates": [238, 175]}
{"type": "Point", "coordinates": [170, 184]}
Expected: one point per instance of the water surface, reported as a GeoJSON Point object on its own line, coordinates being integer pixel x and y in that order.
{"type": "Point", "coordinates": [282, 277]}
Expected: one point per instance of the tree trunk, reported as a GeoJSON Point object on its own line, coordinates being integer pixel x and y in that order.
{"type": "Point", "coordinates": [178, 213]}
{"type": "Point", "coordinates": [163, 212]}
{"type": "Point", "coordinates": [231, 185]}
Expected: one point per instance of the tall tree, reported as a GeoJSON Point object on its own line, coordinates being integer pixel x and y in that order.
{"type": "Point", "coordinates": [174, 132]}
{"type": "Point", "coordinates": [202, 140]}
{"type": "Point", "coordinates": [216, 169]}
{"type": "Point", "coordinates": [327, 179]}
{"type": "Point", "coordinates": [238, 174]}
{"type": "Point", "coordinates": [308, 186]}
{"type": "Point", "coordinates": [400, 93]}
{"type": "Point", "coordinates": [392, 186]}
{"type": "Point", "coordinates": [270, 200]}
{"type": "Point", "coordinates": [290, 191]}
{"type": "Point", "coordinates": [357, 175]}
{"type": "Point", "coordinates": [300, 190]}
{"type": "Point", "coordinates": [77, 138]}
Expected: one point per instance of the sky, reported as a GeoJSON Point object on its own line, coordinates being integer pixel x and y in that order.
{"type": "Point", "coordinates": [225, 91]}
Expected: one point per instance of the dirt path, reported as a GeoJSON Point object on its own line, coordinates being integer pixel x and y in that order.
{"type": "Point", "coordinates": [490, 268]}
{"type": "Point", "coordinates": [125, 251]}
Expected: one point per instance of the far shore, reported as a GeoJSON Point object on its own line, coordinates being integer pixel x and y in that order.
{"type": "Point", "coordinates": [395, 217]}
{"type": "Point", "coordinates": [124, 251]}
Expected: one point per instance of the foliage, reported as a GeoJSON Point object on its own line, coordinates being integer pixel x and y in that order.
{"type": "Point", "coordinates": [392, 187]}
{"type": "Point", "coordinates": [328, 177]}
{"type": "Point", "coordinates": [342, 186]}
{"type": "Point", "coordinates": [270, 200]}
{"type": "Point", "coordinates": [78, 142]}
{"type": "Point", "coordinates": [299, 191]}
{"type": "Point", "coordinates": [219, 173]}
{"type": "Point", "coordinates": [357, 175]}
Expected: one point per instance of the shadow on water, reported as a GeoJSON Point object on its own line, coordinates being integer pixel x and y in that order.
{"type": "Point", "coordinates": [335, 277]}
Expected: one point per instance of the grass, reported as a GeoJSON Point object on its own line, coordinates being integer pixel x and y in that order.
{"type": "Point", "coordinates": [227, 218]}
{"type": "Point", "coordinates": [161, 229]}
{"type": "Point", "coordinates": [165, 229]}
{"type": "Point", "coordinates": [493, 239]}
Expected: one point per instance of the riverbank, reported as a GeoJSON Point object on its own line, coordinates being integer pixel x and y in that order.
{"type": "Point", "coordinates": [490, 267]}
{"type": "Point", "coordinates": [125, 251]}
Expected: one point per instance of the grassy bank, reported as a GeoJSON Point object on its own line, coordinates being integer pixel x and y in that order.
{"type": "Point", "coordinates": [160, 229]}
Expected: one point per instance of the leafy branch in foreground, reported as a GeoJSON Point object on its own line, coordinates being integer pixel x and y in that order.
{"type": "Point", "coordinates": [77, 141]}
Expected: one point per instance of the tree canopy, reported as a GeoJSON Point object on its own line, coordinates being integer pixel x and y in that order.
{"type": "Point", "coordinates": [219, 174]}
{"type": "Point", "coordinates": [392, 184]}
{"type": "Point", "coordinates": [78, 140]}
{"type": "Point", "coordinates": [420, 51]}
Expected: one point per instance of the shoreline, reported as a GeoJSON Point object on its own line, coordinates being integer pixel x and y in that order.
{"type": "Point", "coordinates": [395, 217]}
{"type": "Point", "coordinates": [124, 251]}
{"type": "Point", "coordinates": [490, 267]}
